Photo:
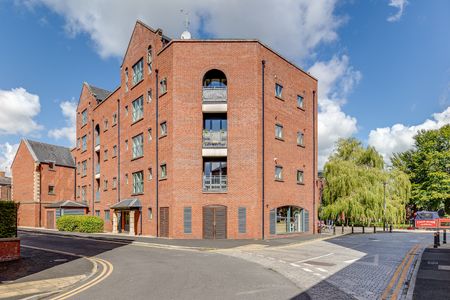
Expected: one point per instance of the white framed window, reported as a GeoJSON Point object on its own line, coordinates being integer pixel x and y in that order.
{"type": "Point", "coordinates": [83, 193]}
{"type": "Point", "coordinates": [163, 169]}
{"type": "Point", "coordinates": [278, 131]}
{"type": "Point", "coordinates": [278, 90]}
{"type": "Point", "coordinates": [138, 146]}
{"type": "Point", "coordinates": [83, 168]}
{"type": "Point", "coordinates": [84, 143]}
{"type": "Point", "coordinates": [84, 117]}
{"type": "Point", "coordinates": [138, 182]}
{"type": "Point", "coordinates": [300, 101]}
{"type": "Point", "coordinates": [138, 71]}
{"type": "Point", "coordinates": [163, 127]}
{"type": "Point", "coordinates": [114, 182]}
{"type": "Point", "coordinates": [138, 109]}
{"type": "Point", "coordinates": [300, 138]}
{"type": "Point", "coordinates": [149, 132]}
{"type": "Point", "coordinates": [114, 150]}
{"type": "Point", "coordinates": [150, 213]}
{"type": "Point", "coordinates": [163, 86]}
{"type": "Point", "coordinates": [150, 174]}
{"type": "Point", "coordinates": [105, 155]}
{"type": "Point", "coordinates": [300, 177]}
{"type": "Point", "coordinates": [105, 184]}
{"type": "Point", "coordinates": [149, 96]}
{"type": "Point", "coordinates": [51, 189]}
{"type": "Point", "coordinates": [114, 119]}
{"type": "Point", "coordinates": [105, 124]}
{"type": "Point", "coordinates": [278, 173]}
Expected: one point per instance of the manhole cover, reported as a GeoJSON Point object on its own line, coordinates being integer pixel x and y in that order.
{"type": "Point", "coordinates": [319, 263]}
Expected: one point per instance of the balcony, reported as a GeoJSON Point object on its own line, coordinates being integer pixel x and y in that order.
{"type": "Point", "coordinates": [97, 171]}
{"type": "Point", "coordinates": [215, 183]}
{"type": "Point", "coordinates": [214, 94]}
{"type": "Point", "coordinates": [215, 139]}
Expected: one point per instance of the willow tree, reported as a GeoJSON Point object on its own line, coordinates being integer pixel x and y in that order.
{"type": "Point", "coordinates": [359, 189]}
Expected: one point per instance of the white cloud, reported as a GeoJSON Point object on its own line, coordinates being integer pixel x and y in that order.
{"type": "Point", "coordinates": [400, 5]}
{"type": "Point", "coordinates": [337, 79]}
{"type": "Point", "coordinates": [294, 27]}
{"type": "Point", "coordinates": [18, 108]}
{"type": "Point", "coordinates": [69, 111]}
{"type": "Point", "coordinates": [7, 153]}
{"type": "Point", "coordinates": [399, 138]}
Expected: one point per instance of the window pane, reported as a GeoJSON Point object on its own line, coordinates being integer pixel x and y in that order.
{"type": "Point", "coordinates": [138, 109]}
{"type": "Point", "coordinates": [300, 101]}
{"type": "Point", "coordinates": [278, 90]}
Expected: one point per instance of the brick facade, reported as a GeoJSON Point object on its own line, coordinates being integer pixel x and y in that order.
{"type": "Point", "coordinates": [183, 64]}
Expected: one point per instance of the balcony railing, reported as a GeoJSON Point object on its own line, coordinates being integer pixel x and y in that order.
{"type": "Point", "coordinates": [97, 169]}
{"type": "Point", "coordinates": [214, 94]}
{"type": "Point", "coordinates": [215, 183]}
{"type": "Point", "coordinates": [215, 139]}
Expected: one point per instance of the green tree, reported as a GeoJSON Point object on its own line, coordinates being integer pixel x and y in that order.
{"type": "Point", "coordinates": [428, 167]}
{"type": "Point", "coordinates": [354, 190]}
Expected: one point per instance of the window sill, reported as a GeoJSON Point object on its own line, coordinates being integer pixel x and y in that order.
{"type": "Point", "coordinates": [136, 158]}
{"type": "Point", "coordinates": [137, 121]}
{"type": "Point", "coordinates": [212, 192]}
{"type": "Point", "coordinates": [82, 126]}
{"type": "Point", "coordinates": [280, 139]}
{"type": "Point", "coordinates": [162, 94]}
{"type": "Point", "coordinates": [113, 124]}
{"type": "Point", "coordinates": [82, 151]}
{"type": "Point", "coordinates": [301, 146]}
{"type": "Point", "coordinates": [300, 183]}
{"type": "Point", "coordinates": [138, 194]}
{"type": "Point", "coordinates": [51, 194]}
{"type": "Point", "coordinates": [279, 180]}
{"type": "Point", "coordinates": [162, 136]}
{"type": "Point", "coordinates": [52, 170]}
{"type": "Point", "coordinates": [137, 83]}
{"type": "Point", "coordinates": [279, 98]}
{"type": "Point", "coordinates": [162, 178]}
{"type": "Point", "coordinates": [105, 130]}
{"type": "Point", "coordinates": [83, 176]}
{"type": "Point", "coordinates": [301, 108]}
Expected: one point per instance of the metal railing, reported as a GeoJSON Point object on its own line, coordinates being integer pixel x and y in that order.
{"type": "Point", "coordinates": [214, 94]}
{"type": "Point", "coordinates": [215, 183]}
{"type": "Point", "coordinates": [97, 169]}
{"type": "Point", "coordinates": [215, 139]}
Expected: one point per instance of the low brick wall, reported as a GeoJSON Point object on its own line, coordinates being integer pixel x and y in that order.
{"type": "Point", "coordinates": [9, 249]}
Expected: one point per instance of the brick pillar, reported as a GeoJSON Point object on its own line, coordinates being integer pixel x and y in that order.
{"type": "Point", "coordinates": [132, 222]}
{"type": "Point", "coordinates": [114, 224]}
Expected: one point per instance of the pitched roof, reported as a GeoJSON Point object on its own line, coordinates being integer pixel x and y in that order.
{"type": "Point", "coordinates": [5, 180]}
{"type": "Point", "coordinates": [43, 152]}
{"type": "Point", "coordinates": [99, 93]}
{"type": "Point", "coordinates": [66, 204]}
{"type": "Point", "coordinates": [128, 203]}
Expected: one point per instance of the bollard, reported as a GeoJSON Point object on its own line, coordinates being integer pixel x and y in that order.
{"type": "Point", "coordinates": [342, 228]}
{"type": "Point", "coordinates": [444, 237]}
{"type": "Point", "coordinates": [334, 230]}
{"type": "Point", "coordinates": [390, 228]}
{"type": "Point", "coordinates": [384, 226]}
{"type": "Point", "coordinates": [352, 229]}
{"type": "Point", "coordinates": [435, 244]}
{"type": "Point", "coordinates": [438, 238]}
{"type": "Point", "coordinates": [363, 229]}
{"type": "Point", "coordinates": [374, 229]}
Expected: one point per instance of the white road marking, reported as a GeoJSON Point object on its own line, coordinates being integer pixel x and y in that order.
{"type": "Point", "coordinates": [271, 258]}
{"type": "Point", "coordinates": [306, 264]}
{"type": "Point", "coordinates": [318, 275]}
{"type": "Point", "coordinates": [445, 268]}
{"type": "Point", "coordinates": [314, 258]}
{"type": "Point", "coordinates": [307, 270]}
{"type": "Point", "coordinates": [350, 261]}
{"type": "Point", "coordinates": [294, 265]}
{"type": "Point", "coordinates": [281, 261]}
{"type": "Point", "coordinates": [322, 270]}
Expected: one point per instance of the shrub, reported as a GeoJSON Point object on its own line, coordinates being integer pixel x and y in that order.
{"type": "Point", "coordinates": [8, 219]}
{"type": "Point", "coordinates": [88, 224]}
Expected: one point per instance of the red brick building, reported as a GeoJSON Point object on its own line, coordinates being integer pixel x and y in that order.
{"type": "Point", "coordinates": [202, 139]}
{"type": "Point", "coordinates": [5, 187]}
{"type": "Point", "coordinates": [43, 183]}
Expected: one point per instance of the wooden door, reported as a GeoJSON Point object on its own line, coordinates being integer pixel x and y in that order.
{"type": "Point", "coordinates": [164, 222]}
{"type": "Point", "coordinates": [214, 222]}
{"type": "Point", "coordinates": [50, 219]}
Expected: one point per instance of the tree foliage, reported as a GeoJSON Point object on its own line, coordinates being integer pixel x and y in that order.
{"type": "Point", "coordinates": [354, 186]}
{"type": "Point", "coordinates": [428, 167]}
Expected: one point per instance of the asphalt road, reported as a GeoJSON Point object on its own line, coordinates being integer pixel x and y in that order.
{"type": "Point", "coordinates": [348, 267]}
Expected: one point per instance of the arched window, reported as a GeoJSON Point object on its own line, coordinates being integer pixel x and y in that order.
{"type": "Point", "coordinates": [97, 135]}
{"type": "Point", "coordinates": [214, 79]}
{"type": "Point", "coordinates": [126, 79]}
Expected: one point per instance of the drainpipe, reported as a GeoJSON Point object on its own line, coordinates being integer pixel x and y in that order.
{"type": "Point", "coordinates": [314, 161]}
{"type": "Point", "coordinates": [75, 182]}
{"type": "Point", "coordinates": [118, 150]}
{"type": "Point", "coordinates": [157, 144]}
{"type": "Point", "coordinates": [40, 196]}
{"type": "Point", "coordinates": [93, 164]}
{"type": "Point", "coordinates": [263, 64]}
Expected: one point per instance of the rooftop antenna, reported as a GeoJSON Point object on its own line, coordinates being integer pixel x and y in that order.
{"type": "Point", "coordinates": [186, 35]}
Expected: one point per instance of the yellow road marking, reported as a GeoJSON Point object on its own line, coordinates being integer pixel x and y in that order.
{"type": "Point", "coordinates": [397, 272]}
{"type": "Point", "coordinates": [403, 275]}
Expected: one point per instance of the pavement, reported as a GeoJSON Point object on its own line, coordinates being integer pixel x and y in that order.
{"type": "Point", "coordinates": [433, 275]}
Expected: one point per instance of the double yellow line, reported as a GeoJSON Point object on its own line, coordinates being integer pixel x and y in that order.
{"type": "Point", "coordinates": [107, 269]}
{"type": "Point", "coordinates": [400, 275]}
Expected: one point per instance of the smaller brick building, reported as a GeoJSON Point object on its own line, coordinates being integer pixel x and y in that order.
{"type": "Point", "coordinates": [5, 187]}
{"type": "Point", "coordinates": [43, 183]}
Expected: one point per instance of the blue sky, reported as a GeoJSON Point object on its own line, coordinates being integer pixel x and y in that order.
{"type": "Point", "coordinates": [379, 63]}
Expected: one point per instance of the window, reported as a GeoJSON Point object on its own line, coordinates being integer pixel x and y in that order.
{"type": "Point", "coordinates": [187, 220]}
{"type": "Point", "coordinates": [126, 110]}
{"type": "Point", "coordinates": [300, 136]}
{"type": "Point", "coordinates": [300, 101]}
{"type": "Point", "coordinates": [163, 86]}
{"type": "Point", "coordinates": [84, 117]}
{"type": "Point", "coordinates": [138, 72]}
{"type": "Point", "coordinates": [126, 178]}
{"type": "Point", "coordinates": [278, 131]}
{"type": "Point", "coordinates": [83, 168]}
{"type": "Point", "coordinates": [150, 213]}
{"type": "Point", "coordinates": [163, 127]}
{"type": "Point", "coordinates": [114, 150]}
{"type": "Point", "coordinates": [138, 146]}
{"type": "Point", "coordinates": [242, 219]}
{"type": "Point", "coordinates": [149, 132]}
{"type": "Point", "coordinates": [97, 213]}
{"type": "Point", "coordinates": [163, 171]}
{"type": "Point", "coordinates": [83, 193]}
{"type": "Point", "coordinates": [126, 145]}
{"type": "Point", "coordinates": [114, 119]}
{"type": "Point", "coordinates": [51, 189]}
{"type": "Point", "coordinates": [126, 79]}
{"type": "Point", "coordinates": [138, 182]}
{"type": "Point", "coordinates": [149, 96]}
{"type": "Point", "coordinates": [278, 173]}
{"type": "Point", "coordinates": [300, 177]}
{"type": "Point", "coordinates": [138, 109]}
{"type": "Point", "coordinates": [105, 155]}
{"type": "Point", "coordinates": [149, 59]}
{"type": "Point", "coordinates": [105, 124]}
{"type": "Point", "coordinates": [114, 182]}
{"type": "Point", "coordinates": [105, 184]}
{"type": "Point", "coordinates": [278, 90]}
{"type": "Point", "coordinates": [84, 143]}
{"type": "Point", "coordinates": [150, 174]}
{"type": "Point", "coordinates": [51, 165]}
{"type": "Point", "coordinates": [107, 216]}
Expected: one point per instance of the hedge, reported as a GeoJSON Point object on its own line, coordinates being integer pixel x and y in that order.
{"type": "Point", "coordinates": [8, 219]}
{"type": "Point", "coordinates": [88, 224]}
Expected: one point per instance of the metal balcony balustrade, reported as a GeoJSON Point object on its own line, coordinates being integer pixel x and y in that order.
{"type": "Point", "coordinates": [215, 139]}
{"type": "Point", "coordinates": [214, 94]}
{"type": "Point", "coordinates": [215, 183]}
